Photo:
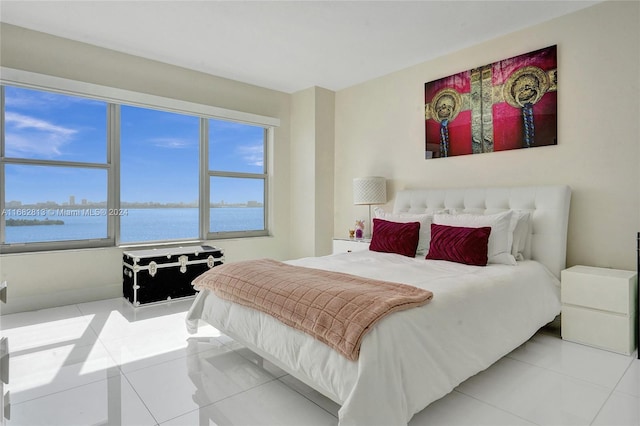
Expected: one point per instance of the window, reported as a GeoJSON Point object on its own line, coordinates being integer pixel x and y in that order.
{"type": "Point", "coordinates": [41, 208]}
{"type": "Point", "coordinates": [159, 181]}
{"type": "Point", "coordinates": [55, 168]}
{"type": "Point", "coordinates": [54, 127]}
{"type": "Point", "coordinates": [237, 178]}
{"type": "Point", "coordinates": [88, 166]}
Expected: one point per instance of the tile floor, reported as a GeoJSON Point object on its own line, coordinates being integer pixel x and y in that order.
{"type": "Point", "coordinates": [104, 363]}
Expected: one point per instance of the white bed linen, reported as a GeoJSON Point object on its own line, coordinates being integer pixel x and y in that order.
{"type": "Point", "coordinates": [410, 358]}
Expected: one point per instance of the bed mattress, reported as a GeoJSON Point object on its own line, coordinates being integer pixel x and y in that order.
{"type": "Point", "coordinates": [410, 358]}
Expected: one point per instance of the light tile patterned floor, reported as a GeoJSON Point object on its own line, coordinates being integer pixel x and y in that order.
{"type": "Point", "coordinates": [105, 363]}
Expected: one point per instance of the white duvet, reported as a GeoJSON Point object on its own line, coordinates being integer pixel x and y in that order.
{"type": "Point", "coordinates": [410, 358]}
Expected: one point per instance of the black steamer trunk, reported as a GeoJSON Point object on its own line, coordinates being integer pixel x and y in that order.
{"type": "Point", "coordinates": [158, 275]}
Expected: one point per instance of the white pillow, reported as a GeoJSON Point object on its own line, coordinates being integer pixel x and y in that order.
{"type": "Point", "coordinates": [425, 225]}
{"type": "Point", "coordinates": [521, 224]}
{"type": "Point", "coordinates": [500, 239]}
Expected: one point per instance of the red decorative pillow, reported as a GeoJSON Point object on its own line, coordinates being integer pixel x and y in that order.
{"type": "Point", "coordinates": [394, 237]}
{"type": "Point", "coordinates": [459, 244]}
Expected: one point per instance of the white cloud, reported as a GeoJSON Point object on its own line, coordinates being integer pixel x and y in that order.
{"type": "Point", "coordinates": [171, 143]}
{"type": "Point", "coordinates": [252, 154]}
{"type": "Point", "coordinates": [23, 146]}
{"type": "Point", "coordinates": [32, 136]}
{"type": "Point", "coordinates": [21, 100]}
{"type": "Point", "coordinates": [20, 121]}
{"type": "Point", "coordinates": [35, 100]}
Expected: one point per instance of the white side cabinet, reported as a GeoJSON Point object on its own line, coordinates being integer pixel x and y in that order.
{"type": "Point", "coordinates": [347, 245]}
{"type": "Point", "coordinates": [599, 307]}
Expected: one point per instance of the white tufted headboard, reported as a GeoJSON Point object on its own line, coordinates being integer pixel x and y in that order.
{"type": "Point", "coordinates": [549, 207]}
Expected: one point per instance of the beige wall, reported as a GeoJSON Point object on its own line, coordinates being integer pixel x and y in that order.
{"type": "Point", "coordinates": [47, 279]}
{"type": "Point", "coordinates": [312, 158]}
{"type": "Point", "coordinates": [303, 128]}
{"type": "Point", "coordinates": [325, 155]}
{"type": "Point", "coordinates": [376, 128]}
{"type": "Point", "coordinates": [380, 131]}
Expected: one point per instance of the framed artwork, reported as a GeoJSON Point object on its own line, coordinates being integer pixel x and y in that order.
{"type": "Point", "coordinates": [509, 104]}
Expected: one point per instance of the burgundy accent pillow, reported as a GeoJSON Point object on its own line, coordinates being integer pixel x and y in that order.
{"type": "Point", "coordinates": [394, 237]}
{"type": "Point", "coordinates": [459, 244]}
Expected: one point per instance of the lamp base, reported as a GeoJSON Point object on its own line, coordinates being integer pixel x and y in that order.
{"type": "Point", "coordinates": [370, 234]}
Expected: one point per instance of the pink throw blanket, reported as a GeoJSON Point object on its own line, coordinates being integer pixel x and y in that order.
{"type": "Point", "coordinates": [336, 308]}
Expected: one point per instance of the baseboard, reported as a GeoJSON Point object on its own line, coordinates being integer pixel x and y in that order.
{"type": "Point", "coordinates": [60, 298]}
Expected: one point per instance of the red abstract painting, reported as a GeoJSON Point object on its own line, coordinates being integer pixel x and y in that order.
{"type": "Point", "coordinates": [509, 104]}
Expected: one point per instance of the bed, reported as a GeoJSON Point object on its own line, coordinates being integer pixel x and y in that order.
{"type": "Point", "coordinates": [411, 358]}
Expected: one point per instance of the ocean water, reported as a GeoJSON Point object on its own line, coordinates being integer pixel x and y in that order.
{"type": "Point", "coordinates": [137, 225]}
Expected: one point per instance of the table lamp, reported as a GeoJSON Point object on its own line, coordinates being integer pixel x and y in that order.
{"type": "Point", "coordinates": [369, 190]}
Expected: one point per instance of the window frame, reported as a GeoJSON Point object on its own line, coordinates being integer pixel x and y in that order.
{"type": "Point", "coordinates": [151, 243]}
{"type": "Point", "coordinates": [205, 183]}
{"type": "Point", "coordinates": [109, 240]}
{"type": "Point", "coordinates": [115, 97]}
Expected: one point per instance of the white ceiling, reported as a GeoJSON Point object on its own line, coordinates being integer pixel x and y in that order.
{"type": "Point", "coordinates": [286, 46]}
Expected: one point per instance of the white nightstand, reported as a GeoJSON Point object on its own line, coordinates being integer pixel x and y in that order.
{"type": "Point", "coordinates": [347, 245]}
{"type": "Point", "coordinates": [599, 307]}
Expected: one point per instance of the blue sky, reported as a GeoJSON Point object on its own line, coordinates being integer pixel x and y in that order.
{"type": "Point", "coordinates": [159, 151]}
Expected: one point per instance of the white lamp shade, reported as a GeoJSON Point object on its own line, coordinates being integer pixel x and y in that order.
{"type": "Point", "coordinates": [369, 190]}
